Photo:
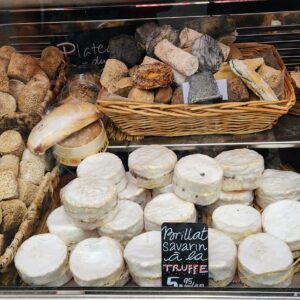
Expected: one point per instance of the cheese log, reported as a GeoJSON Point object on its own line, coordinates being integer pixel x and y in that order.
{"type": "Point", "coordinates": [59, 124]}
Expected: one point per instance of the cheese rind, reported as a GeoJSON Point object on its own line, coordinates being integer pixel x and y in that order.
{"type": "Point", "coordinates": [147, 282]}
{"type": "Point", "coordinates": [60, 280]}
{"type": "Point", "coordinates": [166, 189]}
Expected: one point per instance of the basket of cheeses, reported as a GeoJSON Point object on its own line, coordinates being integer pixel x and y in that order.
{"type": "Point", "coordinates": [190, 83]}
{"type": "Point", "coordinates": [27, 86]}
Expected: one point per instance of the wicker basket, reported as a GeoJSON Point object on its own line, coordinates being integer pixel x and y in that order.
{"type": "Point", "coordinates": [27, 227]}
{"type": "Point", "coordinates": [139, 119]}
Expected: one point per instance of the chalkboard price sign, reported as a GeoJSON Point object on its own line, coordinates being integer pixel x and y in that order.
{"type": "Point", "coordinates": [184, 254]}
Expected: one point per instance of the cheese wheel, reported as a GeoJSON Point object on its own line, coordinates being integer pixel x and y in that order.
{"type": "Point", "coordinates": [105, 166]}
{"type": "Point", "coordinates": [97, 262]}
{"type": "Point", "coordinates": [198, 178]}
{"type": "Point", "coordinates": [237, 221]}
{"type": "Point", "coordinates": [143, 255]}
{"type": "Point", "coordinates": [222, 257]}
{"type": "Point", "coordinates": [281, 219]}
{"type": "Point", "coordinates": [265, 261]}
{"type": "Point", "coordinates": [152, 166]}
{"type": "Point", "coordinates": [278, 185]}
{"type": "Point", "coordinates": [121, 185]}
{"type": "Point", "coordinates": [60, 280]}
{"type": "Point", "coordinates": [147, 282]}
{"type": "Point", "coordinates": [242, 168]}
{"type": "Point", "coordinates": [41, 259]}
{"type": "Point", "coordinates": [163, 190]}
{"type": "Point", "coordinates": [127, 223]}
{"type": "Point", "coordinates": [60, 224]}
{"type": "Point", "coordinates": [168, 208]}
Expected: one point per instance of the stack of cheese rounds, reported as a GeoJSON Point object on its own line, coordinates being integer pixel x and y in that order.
{"type": "Point", "coordinates": [105, 166]}
{"type": "Point", "coordinates": [236, 220]}
{"type": "Point", "coordinates": [42, 260]}
{"type": "Point", "coordinates": [134, 193]}
{"type": "Point", "coordinates": [168, 208]}
{"type": "Point", "coordinates": [282, 220]}
{"type": "Point", "coordinates": [166, 189]}
{"type": "Point", "coordinates": [127, 223]}
{"type": "Point", "coordinates": [278, 185]}
{"type": "Point", "coordinates": [265, 261]}
{"type": "Point", "coordinates": [222, 258]}
{"type": "Point", "coordinates": [152, 166]}
{"type": "Point", "coordinates": [198, 179]}
{"type": "Point", "coordinates": [89, 201]}
{"type": "Point", "coordinates": [98, 262]}
{"type": "Point", "coordinates": [60, 224]}
{"type": "Point", "coordinates": [143, 257]}
{"type": "Point", "coordinates": [242, 168]}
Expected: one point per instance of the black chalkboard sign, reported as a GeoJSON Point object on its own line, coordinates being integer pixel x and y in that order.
{"type": "Point", "coordinates": [184, 254]}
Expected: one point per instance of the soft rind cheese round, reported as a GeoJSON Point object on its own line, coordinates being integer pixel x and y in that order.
{"type": "Point", "coordinates": [147, 282]}
{"type": "Point", "coordinates": [237, 220]}
{"type": "Point", "coordinates": [97, 262]}
{"type": "Point", "coordinates": [282, 220]}
{"type": "Point", "coordinates": [106, 166]}
{"type": "Point", "coordinates": [128, 222]}
{"type": "Point", "coordinates": [168, 208]}
{"type": "Point", "coordinates": [265, 261]}
{"type": "Point", "coordinates": [60, 280]}
{"type": "Point", "coordinates": [41, 259]}
{"type": "Point", "coordinates": [278, 185]}
{"type": "Point", "coordinates": [222, 257]}
{"type": "Point", "coordinates": [60, 224]}
{"type": "Point", "coordinates": [163, 190]}
{"type": "Point", "coordinates": [152, 166]}
{"type": "Point", "coordinates": [198, 179]}
{"type": "Point", "coordinates": [143, 255]}
{"type": "Point", "coordinates": [242, 168]}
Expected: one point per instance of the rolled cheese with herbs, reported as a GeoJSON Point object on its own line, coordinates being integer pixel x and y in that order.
{"type": "Point", "coordinates": [98, 262]}
{"type": "Point", "coordinates": [152, 166]}
{"type": "Point", "coordinates": [60, 224]}
{"type": "Point", "coordinates": [89, 201]}
{"type": "Point", "coordinates": [105, 166]}
{"type": "Point", "coordinates": [168, 208]}
{"type": "Point", "coordinates": [242, 168]}
{"type": "Point", "coordinates": [281, 219]}
{"type": "Point", "coordinates": [222, 257]}
{"type": "Point", "coordinates": [265, 261]}
{"type": "Point", "coordinates": [127, 223]}
{"type": "Point", "coordinates": [237, 221]}
{"type": "Point", "coordinates": [42, 259]}
{"type": "Point", "coordinates": [278, 185]}
{"type": "Point", "coordinates": [198, 179]}
{"type": "Point", "coordinates": [143, 258]}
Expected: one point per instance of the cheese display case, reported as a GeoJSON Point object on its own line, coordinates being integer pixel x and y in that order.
{"type": "Point", "coordinates": [149, 149]}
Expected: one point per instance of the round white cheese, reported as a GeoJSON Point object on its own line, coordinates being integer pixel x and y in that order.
{"type": "Point", "coordinates": [222, 257]}
{"type": "Point", "coordinates": [60, 280]}
{"type": "Point", "coordinates": [97, 262]}
{"type": "Point", "coordinates": [121, 185]}
{"type": "Point", "coordinates": [147, 282]}
{"type": "Point", "coordinates": [264, 260]}
{"type": "Point", "coordinates": [127, 223]}
{"type": "Point", "coordinates": [143, 255]}
{"type": "Point", "coordinates": [282, 220]}
{"type": "Point", "coordinates": [104, 165]}
{"type": "Point", "coordinates": [168, 208]}
{"type": "Point", "coordinates": [60, 224]}
{"type": "Point", "coordinates": [41, 259]}
{"type": "Point", "coordinates": [237, 221]}
{"type": "Point", "coordinates": [198, 179]}
{"type": "Point", "coordinates": [163, 190]}
{"type": "Point", "coordinates": [278, 185]}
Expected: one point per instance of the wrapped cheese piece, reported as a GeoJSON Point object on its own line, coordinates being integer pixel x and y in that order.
{"type": "Point", "coordinates": [152, 166]}
{"type": "Point", "coordinates": [278, 185]}
{"type": "Point", "coordinates": [281, 219]}
{"type": "Point", "coordinates": [237, 221]}
{"type": "Point", "coordinates": [60, 224]}
{"type": "Point", "coordinates": [89, 201]}
{"type": "Point", "coordinates": [105, 166]}
{"type": "Point", "coordinates": [143, 257]}
{"type": "Point", "coordinates": [98, 262]}
{"type": "Point", "coordinates": [265, 261]}
{"type": "Point", "coordinates": [127, 223]}
{"type": "Point", "coordinates": [42, 259]}
{"type": "Point", "coordinates": [168, 208]}
{"type": "Point", "coordinates": [222, 257]}
{"type": "Point", "coordinates": [60, 123]}
{"type": "Point", "coordinates": [198, 179]}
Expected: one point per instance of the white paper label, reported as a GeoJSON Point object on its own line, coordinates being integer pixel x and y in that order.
{"type": "Point", "coordinates": [222, 86]}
